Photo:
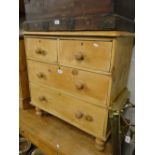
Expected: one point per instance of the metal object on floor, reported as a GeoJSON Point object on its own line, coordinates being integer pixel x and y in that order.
{"type": "Point", "coordinates": [37, 151]}
{"type": "Point", "coordinates": [128, 144]}
{"type": "Point", "coordinates": [115, 132]}
{"type": "Point", "coordinates": [24, 146]}
{"type": "Point", "coordinates": [120, 128]}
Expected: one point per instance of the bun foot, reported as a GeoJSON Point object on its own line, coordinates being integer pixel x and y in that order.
{"type": "Point", "coordinates": [99, 144]}
{"type": "Point", "coordinates": [38, 111]}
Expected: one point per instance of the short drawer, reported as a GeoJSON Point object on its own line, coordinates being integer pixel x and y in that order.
{"type": "Point", "coordinates": [89, 86]}
{"type": "Point", "coordinates": [41, 49]}
{"type": "Point", "coordinates": [88, 54]}
{"type": "Point", "coordinates": [85, 116]}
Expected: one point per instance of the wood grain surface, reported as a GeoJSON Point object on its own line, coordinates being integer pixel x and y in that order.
{"type": "Point", "coordinates": [83, 33]}
{"type": "Point", "coordinates": [47, 131]}
{"type": "Point", "coordinates": [92, 54]}
{"type": "Point", "coordinates": [24, 95]}
{"type": "Point", "coordinates": [41, 49]}
{"type": "Point", "coordinates": [86, 85]}
{"type": "Point", "coordinates": [86, 116]}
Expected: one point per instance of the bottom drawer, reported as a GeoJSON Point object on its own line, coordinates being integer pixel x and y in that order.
{"type": "Point", "coordinates": [83, 115]}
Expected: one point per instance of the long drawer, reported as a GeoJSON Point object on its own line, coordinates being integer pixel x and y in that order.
{"type": "Point", "coordinates": [86, 85]}
{"type": "Point", "coordinates": [41, 49]}
{"type": "Point", "coordinates": [88, 54]}
{"type": "Point", "coordinates": [87, 117]}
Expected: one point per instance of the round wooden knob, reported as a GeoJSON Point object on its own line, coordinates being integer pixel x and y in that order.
{"type": "Point", "coordinates": [41, 75]}
{"type": "Point", "coordinates": [74, 72]}
{"type": "Point", "coordinates": [42, 98]}
{"type": "Point", "coordinates": [79, 85]}
{"type": "Point", "coordinates": [78, 115]}
{"type": "Point", "coordinates": [89, 118]}
{"type": "Point", "coordinates": [43, 52]}
{"type": "Point", "coordinates": [79, 56]}
{"type": "Point", "coordinates": [38, 51]}
{"type": "Point", "coordinates": [38, 111]}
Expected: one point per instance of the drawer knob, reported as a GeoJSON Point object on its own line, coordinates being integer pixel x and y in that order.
{"type": "Point", "coordinates": [42, 98]}
{"type": "Point", "coordinates": [40, 52]}
{"type": "Point", "coordinates": [78, 115]}
{"type": "Point", "coordinates": [89, 118]}
{"type": "Point", "coordinates": [74, 72]}
{"type": "Point", "coordinates": [79, 85]}
{"type": "Point", "coordinates": [79, 56]}
{"type": "Point", "coordinates": [41, 75]}
{"type": "Point", "coordinates": [43, 52]}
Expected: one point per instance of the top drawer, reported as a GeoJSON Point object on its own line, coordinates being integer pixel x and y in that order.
{"type": "Point", "coordinates": [88, 54]}
{"type": "Point", "coordinates": [41, 49]}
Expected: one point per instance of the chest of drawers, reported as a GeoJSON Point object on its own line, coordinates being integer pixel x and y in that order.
{"type": "Point", "coordinates": [76, 76]}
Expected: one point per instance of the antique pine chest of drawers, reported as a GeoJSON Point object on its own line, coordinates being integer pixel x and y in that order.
{"type": "Point", "coordinates": [77, 75]}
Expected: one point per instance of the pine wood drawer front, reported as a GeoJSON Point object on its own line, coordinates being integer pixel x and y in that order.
{"type": "Point", "coordinates": [85, 85]}
{"type": "Point", "coordinates": [88, 54]}
{"type": "Point", "coordinates": [86, 116]}
{"type": "Point", "coordinates": [41, 49]}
